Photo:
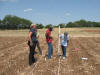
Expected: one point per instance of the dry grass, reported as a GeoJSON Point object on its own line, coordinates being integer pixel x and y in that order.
{"type": "Point", "coordinates": [75, 32]}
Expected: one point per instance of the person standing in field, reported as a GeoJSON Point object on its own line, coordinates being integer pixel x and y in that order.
{"type": "Point", "coordinates": [49, 41]}
{"type": "Point", "coordinates": [32, 43]}
{"type": "Point", "coordinates": [38, 44]}
{"type": "Point", "coordinates": [64, 43]}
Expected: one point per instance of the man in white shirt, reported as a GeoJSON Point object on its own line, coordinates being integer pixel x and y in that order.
{"type": "Point", "coordinates": [64, 43]}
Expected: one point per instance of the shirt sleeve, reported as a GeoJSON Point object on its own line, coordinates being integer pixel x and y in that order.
{"type": "Point", "coordinates": [32, 30]}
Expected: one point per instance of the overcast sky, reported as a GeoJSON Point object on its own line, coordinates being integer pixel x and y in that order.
{"type": "Point", "coordinates": [52, 11]}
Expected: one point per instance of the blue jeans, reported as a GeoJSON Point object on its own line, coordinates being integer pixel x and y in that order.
{"type": "Point", "coordinates": [32, 52]}
{"type": "Point", "coordinates": [50, 50]}
{"type": "Point", "coordinates": [64, 50]}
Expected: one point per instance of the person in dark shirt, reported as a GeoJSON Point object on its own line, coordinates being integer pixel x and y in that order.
{"type": "Point", "coordinates": [32, 43]}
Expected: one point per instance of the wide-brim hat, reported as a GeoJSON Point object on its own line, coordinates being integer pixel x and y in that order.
{"type": "Point", "coordinates": [32, 25]}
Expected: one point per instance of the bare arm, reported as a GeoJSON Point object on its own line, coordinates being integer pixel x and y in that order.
{"type": "Point", "coordinates": [30, 34]}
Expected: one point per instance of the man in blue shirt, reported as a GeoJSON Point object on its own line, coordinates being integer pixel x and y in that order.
{"type": "Point", "coordinates": [64, 43]}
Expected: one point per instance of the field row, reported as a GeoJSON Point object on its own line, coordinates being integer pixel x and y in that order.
{"type": "Point", "coordinates": [14, 57]}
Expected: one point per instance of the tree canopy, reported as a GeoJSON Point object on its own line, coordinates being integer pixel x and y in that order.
{"type": "Point", "coordinates": [15, 22]}
{"type": "Point", "coordinates": [83, 23]}
{"type": "Point", "coordinates": [39, 26]}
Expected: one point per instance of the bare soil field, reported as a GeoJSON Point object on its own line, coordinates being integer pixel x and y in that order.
{"type": "Point", "coordinates": [96, 31]}
{"type": "Point", "coordinates": [14, 54]}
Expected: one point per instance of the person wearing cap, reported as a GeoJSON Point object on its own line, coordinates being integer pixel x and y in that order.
{"type": "Point", "coordinates": [64, 43]}
{"type": "Point", "coordinates": [49, 41]}
{"type": "Point", "coordinates": [32, 43]}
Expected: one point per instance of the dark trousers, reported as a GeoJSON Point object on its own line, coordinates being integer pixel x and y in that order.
{"type": "Point", "coordinates": [38, 46]}
{"type": "Point", "coordinates": [63, 50]}
{"type": "Point", "coordinates": [32, 52]}
{"type": "Point", "coordinates": [50, 50]}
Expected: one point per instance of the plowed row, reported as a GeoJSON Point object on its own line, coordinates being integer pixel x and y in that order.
{"type": "Point", "coordinates": [14, 57]}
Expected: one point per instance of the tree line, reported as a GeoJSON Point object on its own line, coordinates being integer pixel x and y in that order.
{"type": "Point", "coordinates": [15, 22]}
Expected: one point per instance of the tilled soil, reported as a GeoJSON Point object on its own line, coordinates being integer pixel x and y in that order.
{"type": "Point", "coordinates": [14, 54]}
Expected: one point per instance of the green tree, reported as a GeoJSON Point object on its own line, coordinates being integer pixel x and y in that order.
{"type": "Point", "coordinates": [71, 24]}
{"type": "Point", "coordinates": [96, 24]}
{"type": "Point", "coordinates": [0, 21]}
{"type": "Point", "coordinates": [14, 22]}
{"type": "Point", "coordinates": [55, 26]}
{"type": "Point", "coordinates": [1, 24]}
{"type": "Point", "coordinates": [39, 26]}
{"type": "Point", "coordinates": [62, 25]}
{"type": "Point", "coordinates": [81, 23]}
{"type": "Point", "coordinates": [49, 25]}
{"type": "Point", "coordinates": [89, 24]}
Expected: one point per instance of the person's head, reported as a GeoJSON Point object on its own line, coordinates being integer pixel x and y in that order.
{"type": "Point", "coordinates": [33, 26]}
{"type": "Point", "coordinates": [51, 28]}
{"type": "Point", "coordinates": [65, 33]}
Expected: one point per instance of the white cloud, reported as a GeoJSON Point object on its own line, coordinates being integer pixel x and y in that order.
{"type": "Point", "coordinates": [68, 14]}
{"type": "Point", "coordinates": [29, 9]}
{"type": "Point", "coordinates": [8, 0]}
